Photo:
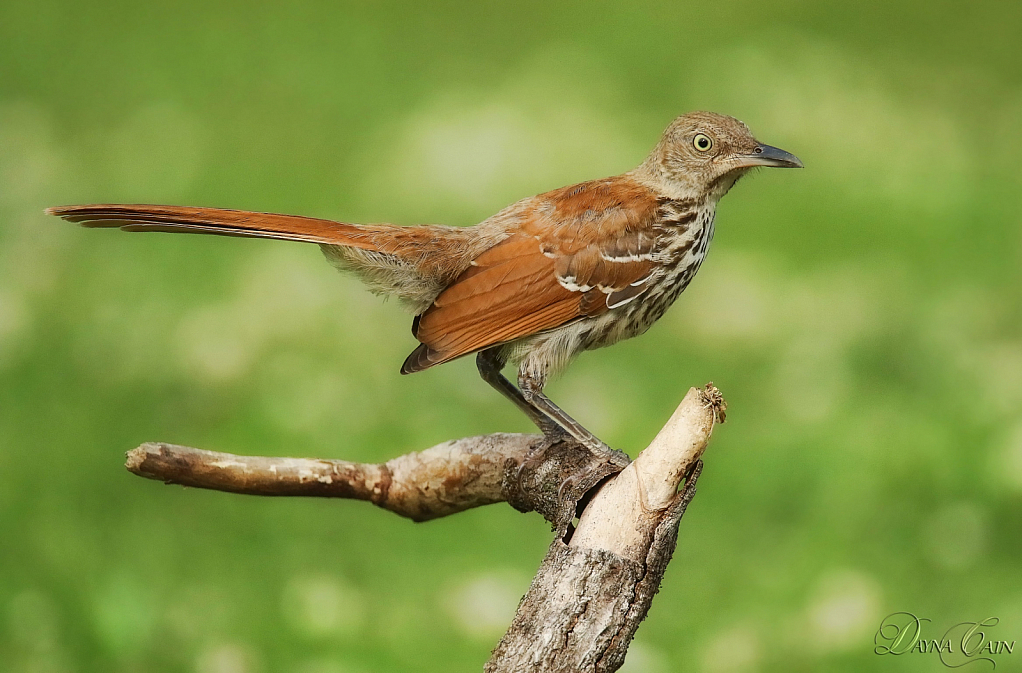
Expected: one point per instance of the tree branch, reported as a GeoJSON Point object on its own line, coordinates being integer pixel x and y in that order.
{"type": "Point", "coordinates": [442, 480]}
{"type": "Point", "coordinates": [590, 594]}
{"type": "Point", "coordinates": [623, 515]}
{"type": "Point", "coordinates": [595, 584]}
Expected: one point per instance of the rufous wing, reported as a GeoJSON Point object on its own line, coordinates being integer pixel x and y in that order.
{"type": "Point", "coordinates": [579, 252]}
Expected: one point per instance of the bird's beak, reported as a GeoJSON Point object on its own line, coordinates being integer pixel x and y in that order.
{"type": "Point", "coordinates": [765, 155]}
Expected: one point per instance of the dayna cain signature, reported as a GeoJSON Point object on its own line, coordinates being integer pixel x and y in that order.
{"type": "Point", "coordinates": [964, 643]}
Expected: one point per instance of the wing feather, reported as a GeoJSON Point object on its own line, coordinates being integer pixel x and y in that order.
{"type": "Point", "coordinates": [578, 251]}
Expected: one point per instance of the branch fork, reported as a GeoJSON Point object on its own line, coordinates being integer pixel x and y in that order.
{"type": "Point", "coordinates": [598, 579]}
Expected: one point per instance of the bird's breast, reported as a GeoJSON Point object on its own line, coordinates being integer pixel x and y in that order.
{"type": "Point", "coordinates": [681, 246]}
{"type": "Point", "coordinates": [681, 251]}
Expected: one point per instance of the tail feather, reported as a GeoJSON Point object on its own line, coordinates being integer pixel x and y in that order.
{"type": "Point", "coordinates": [413, 264]}
{"type": "Point", "coordinates": [216, 221]}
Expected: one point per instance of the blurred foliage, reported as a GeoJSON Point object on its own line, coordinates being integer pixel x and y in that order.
{"type": "Point", "coordinates": [862, 316]}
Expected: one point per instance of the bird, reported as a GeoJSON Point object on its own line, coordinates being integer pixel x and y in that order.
{"type": "Point", "coordinates": [539, 282]}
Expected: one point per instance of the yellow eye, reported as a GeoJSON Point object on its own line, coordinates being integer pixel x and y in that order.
{"type": "Point", "coordinates": [702, 142]}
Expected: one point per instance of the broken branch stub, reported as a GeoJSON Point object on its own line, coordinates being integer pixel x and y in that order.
{"type": "Point", "coordinates": [623, 514]}
{"type": "Point", "coordinates": [591, 593]}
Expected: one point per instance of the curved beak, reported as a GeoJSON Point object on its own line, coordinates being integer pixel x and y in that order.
{"type": "Point", "coordinates": [766, 155]}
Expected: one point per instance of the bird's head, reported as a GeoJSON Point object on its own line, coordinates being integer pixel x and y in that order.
{"type": "Point", "coordinates": [704, 153]}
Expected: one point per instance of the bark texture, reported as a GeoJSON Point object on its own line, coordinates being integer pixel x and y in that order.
{"type": "Point", "coordinates": [442, 480]}
{"type": "Point", "coordinates": [584, 605]}
{"type": "Point", "coordinates": [555, 480]}
{"type": "Point", "coordinates": [594, 588]}
{"type": "Point", "coordinates": [596, 583]}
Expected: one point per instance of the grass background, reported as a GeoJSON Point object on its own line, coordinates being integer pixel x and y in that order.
{"type": "Point", "coordinates": [862, 316]}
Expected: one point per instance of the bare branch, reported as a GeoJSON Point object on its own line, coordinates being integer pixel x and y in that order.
{"type": "Point", "coordinates": [590, 595]}
{"type": "Point", "coordinates": [597, 581]}
{"type": "Point", "coordinates": [623, 515]}
{"type": "Point", "coordinates": [442, 480]}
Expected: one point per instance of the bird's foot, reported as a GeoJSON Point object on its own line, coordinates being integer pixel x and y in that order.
{"type": "Point", "coordinates": [556, 434]}
{"type": "Point", "coordinates": [529, 461]}
{"type": "Point", "coordinates": [552, 434]}
{"type": "Point", "coordinates": [609, 456]}
{"type": "Point", "coordinates": [601, 450]}
{"type": "Point", "coordinates": [556, 474]}
{"type": "Point", "coordinates": [569, 483]}
{"type": "Point", "coordinates": [598, 448]}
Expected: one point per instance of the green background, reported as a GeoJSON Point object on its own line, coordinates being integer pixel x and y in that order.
{"type": "Point", "coordinates": [862, 316]}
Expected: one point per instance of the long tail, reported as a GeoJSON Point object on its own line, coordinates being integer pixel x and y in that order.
{"type": "Point", "coordinates": [217, 221]}
{"type": "Point", "coordinates": [413, 263]}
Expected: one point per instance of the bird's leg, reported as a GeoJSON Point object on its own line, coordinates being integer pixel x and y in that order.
{"type": "Point", "coordinates": [489, 364]}
{"type": "Point", "coordinates": [532, 390]}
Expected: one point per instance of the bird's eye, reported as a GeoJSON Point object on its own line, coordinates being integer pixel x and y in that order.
{"type": "Point", "coordinates": [702, 142]}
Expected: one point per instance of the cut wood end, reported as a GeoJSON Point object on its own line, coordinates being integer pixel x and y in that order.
{"type": "Point", "coordinates": [623, 514]}
{"type": "Point", "coordinates": [133, 459]}
{"type": "Point", "coordinates": [137, 457]}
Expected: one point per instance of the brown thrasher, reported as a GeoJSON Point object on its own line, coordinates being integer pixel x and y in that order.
{"type": "Point", "coordinates": [546, 278]}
